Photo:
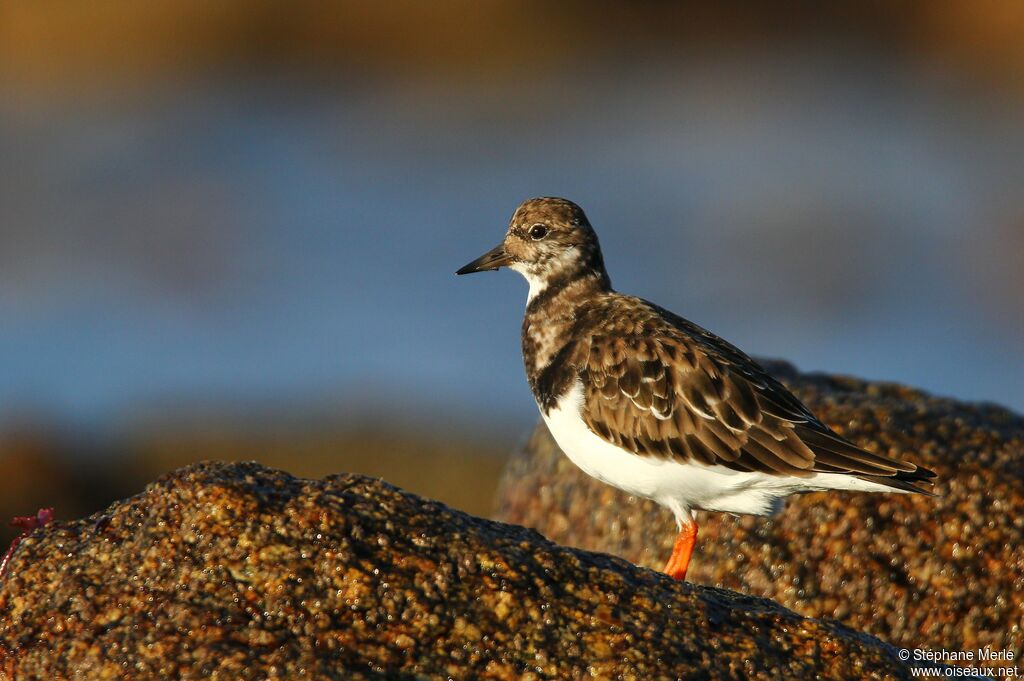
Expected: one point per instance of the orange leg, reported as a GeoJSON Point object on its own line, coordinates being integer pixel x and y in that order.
{"type": "Point", "coordinates": [681, 551]}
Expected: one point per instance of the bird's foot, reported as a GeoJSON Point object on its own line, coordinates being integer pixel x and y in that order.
{"type": "Point", "coordinates": [679, 561]}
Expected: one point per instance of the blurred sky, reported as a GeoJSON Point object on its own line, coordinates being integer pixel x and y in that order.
{"type": "Point", "coordinates": [212, 229]}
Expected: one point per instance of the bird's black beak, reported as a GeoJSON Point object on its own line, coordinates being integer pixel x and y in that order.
{"type": "Point", "coordinates": [491, 260]}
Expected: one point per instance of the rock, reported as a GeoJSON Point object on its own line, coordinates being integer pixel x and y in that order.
{"type": "Point", "coordinates": [235, 571]}
{"type": "Point", "coordinates": [941, 573]}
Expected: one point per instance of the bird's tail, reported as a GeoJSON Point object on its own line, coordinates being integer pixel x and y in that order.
{"type": "Point", "coordinates": [835, 454]}
{"type": "Point", "coordinates": [918, 481]}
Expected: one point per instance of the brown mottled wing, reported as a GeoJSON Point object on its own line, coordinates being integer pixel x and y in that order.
{"type": "Point", "coordinates": [685, 394]}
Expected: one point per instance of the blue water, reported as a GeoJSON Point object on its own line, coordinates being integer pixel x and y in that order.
{"type": "Point", "coordinates": [283, 242]}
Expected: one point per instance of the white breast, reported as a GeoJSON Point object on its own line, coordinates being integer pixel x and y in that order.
{"type": "Point", "coordinates": [678, 486]}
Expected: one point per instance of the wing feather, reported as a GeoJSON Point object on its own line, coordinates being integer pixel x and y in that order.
{"type": "Point", "coordinates": [666, 388]}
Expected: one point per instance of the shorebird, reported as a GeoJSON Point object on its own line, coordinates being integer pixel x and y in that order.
{"type": "Point", "coordinates": [657, 406]}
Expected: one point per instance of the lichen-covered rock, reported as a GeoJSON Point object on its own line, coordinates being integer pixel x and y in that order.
{"type": "Point", "coordinates": [235, 571]}
{"type": "Point", "coordinates": [941, 573]}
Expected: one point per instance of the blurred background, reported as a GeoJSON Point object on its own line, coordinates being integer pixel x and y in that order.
{"type": "Point", "coordinates": [229, 230]}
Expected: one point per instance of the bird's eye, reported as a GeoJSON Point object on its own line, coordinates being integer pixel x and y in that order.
{"type": "Point", "coordinates": [538, 232]}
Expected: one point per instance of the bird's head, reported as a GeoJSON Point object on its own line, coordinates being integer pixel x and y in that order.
{"type": "Point", "coordinates": [548, 240]}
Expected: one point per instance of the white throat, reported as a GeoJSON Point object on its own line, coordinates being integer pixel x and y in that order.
{"type": "Point", "coordinates": [537, 284]}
